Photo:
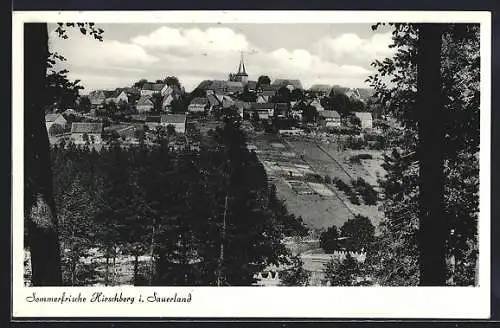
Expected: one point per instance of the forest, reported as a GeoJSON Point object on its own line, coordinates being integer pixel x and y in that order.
{"type": "Point", "coordinates": [204, 218]}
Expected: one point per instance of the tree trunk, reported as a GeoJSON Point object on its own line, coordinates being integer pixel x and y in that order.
{"type": "Point", "coordinates": [432, 235]}
{"type": "Point", "coordinates": [106, 277]}
{"type": "Point", "coordinates": [40, 214]}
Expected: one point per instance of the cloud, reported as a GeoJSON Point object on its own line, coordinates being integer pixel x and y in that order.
{"type": "Point", "coordinates": [194, 54]}
{"type": "Point", "coordinates": [193, 40]}
{"type": "Point", "coordinates": [351, 48]}
{"type": "Point", "coordinates": [84, 50]}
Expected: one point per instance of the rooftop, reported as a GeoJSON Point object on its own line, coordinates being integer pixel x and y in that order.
{"type": "Point", "coordinates": [173, 118]}
{"type": "Point", "coordinates": [86, 128]}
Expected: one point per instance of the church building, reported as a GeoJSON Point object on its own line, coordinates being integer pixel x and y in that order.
{"type": "Point", "coordinates": [242, 75]}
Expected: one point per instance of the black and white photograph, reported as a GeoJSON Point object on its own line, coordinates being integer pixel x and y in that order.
{"type": "Point", "coordinates": [185, 154]}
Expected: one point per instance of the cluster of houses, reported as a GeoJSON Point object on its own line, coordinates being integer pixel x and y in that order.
{"type": "Point", "coordinates": [143, 99]}
{"type": "Point", "coordinates": [152, 102]}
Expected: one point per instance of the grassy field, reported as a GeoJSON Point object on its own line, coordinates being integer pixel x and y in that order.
{"type": "Point", "coordinates": [287, 168]}
{"type": "Point", "coordinates": [288, 158]}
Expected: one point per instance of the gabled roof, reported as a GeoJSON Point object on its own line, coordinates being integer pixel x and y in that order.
{"type": "Point", "coordinates": [281, 106]}
{"type": "Point", "coordinates": [363, 115]}
{"type": "Point", "coordinates": [52, 117]}
{"type": "Point", "coordinates": [320, 88]}
{"type": "Point", "coordinates": [144, 100]}
{"type": "Point", "coordinates": [158, 86]}
{"type": "Point", "coordinates": [109, 94]}
{"type": "Point", "coordinates": [242, 104]}
{"type": "Point", "coordinates": [252, 85]}
{"type": "Point", "coordinates": [173, 118]}
{"type": "Point", "coordinates": [262, 106]}
{"type": "Point", "coordinates": [153, 119]}
{"type": "Point", "coordinates": [329, 114]}
{"type": "Point", "coordinates": [213, 100]}
{"type": "Point", "coordinates": [86, 128]}
{"type": "Point", "coordinates": [199, 101]}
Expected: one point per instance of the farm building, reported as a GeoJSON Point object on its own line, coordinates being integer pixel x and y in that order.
{"type": "Point", "coordinates": [198, 104]}
{"type": "Point", "coordinates": [83, 132]}
{"type": "Point", "coordinates": [177, 120]}
{"type": "Point", "coordinates": [51, 119]}
{"type": "Point", "coordinates": [331, 118]}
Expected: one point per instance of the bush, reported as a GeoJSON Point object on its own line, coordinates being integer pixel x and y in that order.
{"type": "Point", "coordinates": [347, 190]}
{"type": "Point", "coordinates": [56, 129]}
{"type": "Point", "coordinates": [357, 158]}
{"type": "Point", "coordinates": [328, 239]}
{"type": "Point", "coordinates": [369, 195]}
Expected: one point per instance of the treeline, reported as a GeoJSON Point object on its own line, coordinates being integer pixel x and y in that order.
{"type": "Point", "coordinates": [204, 218]}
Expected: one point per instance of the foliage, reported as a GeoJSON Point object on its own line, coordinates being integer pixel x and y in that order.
{"type": "Point", "coordinates": [309, 114]}
{"type": "Point", "coordinates": [366, 191]}
{"type": "Point", "coordinates": [84, 104]}
{"type": "Point", "coordinates": [56, 129]}
{"type": "Point", "coordinates": [296, 275]}
{"type": "Point", "coordinates": [342, 273]}
{"type": "Point", "coordinates": [395, 90]}
{"type": "Point", "coordinates": [356, 159]}
{"type": "Point", "coordinates": [328, 239]}
{"type": "Point", "coordinates": [360, 232]}
{"type": "Point", "coordinates": [263, 80]}
{"type": "Point", "coordinates": [344, 187]}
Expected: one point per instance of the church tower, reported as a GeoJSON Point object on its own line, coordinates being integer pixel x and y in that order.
{"type": "Point", "coordinates": [242, 75]}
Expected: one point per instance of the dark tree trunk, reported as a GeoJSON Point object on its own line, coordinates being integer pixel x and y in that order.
{"type": "Point", "coordinates": [430, 154]}
{"type": "Point", "coordinates": [40, 214]}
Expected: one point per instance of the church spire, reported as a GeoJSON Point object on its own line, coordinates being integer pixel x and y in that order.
{"type": "Point", "coordinates": [241, 68]}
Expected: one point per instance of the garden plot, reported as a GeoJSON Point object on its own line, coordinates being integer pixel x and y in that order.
{"type": "Point", "coordinates": [300, 187]}
{"type": "Point", "coordinates": [321, 189]}
{"type": "Point", "coordinates": [277, 145]}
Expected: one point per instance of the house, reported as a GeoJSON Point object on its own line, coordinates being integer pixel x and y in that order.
{"type": "Point", "coordinates": [266, 91]}
{"type": "Point", "coordinates": [97, 97]}
{"type": "Point", "coordinates": [293, 84]}
{"type": "Point", "coordinates": [320, 90]}
{"type": "Point", "coordinates": [242, 106]}
{"type": "Point", "coordinates": [152, 122]}
{"type": "Point", "coordinates": [316, 104]}
{"type": "Point", "coordinates": [331, 118]}
{"type": "Point", "coordinates": [119, 96]}
{"type": "Point", "coordinates": [264, 111]}
{"type": "Point", "coordinates": [149, 89]}
{"type": "Point", "coordinates": [214, 101]}
{"type": "Point", "coordinates": [167, 100]}
{"type": "Point", "coordinates": [252, 85]}
{"type": "Point", "coordinates": [82, 133]}
{"type": "Point", "coordinates": [262, 99]}
{"type": "Point", "coordinates": [51, 119]}
{"type": "Point", "coordinates": [144, 104]}
{"type": "Point", "coordinates": [227, 101]}
{"type": "Point", "coordinates": [366, 119]}
{"type": "Point", "coordinates": [198, 104]}
{"type": "Point", "coordinates": [177, 120]}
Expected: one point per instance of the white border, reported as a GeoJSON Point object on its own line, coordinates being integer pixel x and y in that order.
{"type": "Point", "coordinates": [270, 302]}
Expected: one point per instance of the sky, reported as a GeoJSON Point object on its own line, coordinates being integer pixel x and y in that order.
{"type": "Point", "coordinates": [314, 53]}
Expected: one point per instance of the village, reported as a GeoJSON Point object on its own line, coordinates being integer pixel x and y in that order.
{"type": "Point", "coordinates": [321, 147]}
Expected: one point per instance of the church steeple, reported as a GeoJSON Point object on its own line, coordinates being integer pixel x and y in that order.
{"type": "Point", "coordinates": [241, 68]}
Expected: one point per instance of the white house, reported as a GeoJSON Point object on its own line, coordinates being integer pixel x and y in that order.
{"type": "Point", "coordinates": [51, 119]}
{"type": "Point", "coordinates": [366, 119]}
{"type": "Point", "coordinates": [331, 118]}
{"type": "Point", "coordinates": [82, 133]}
{"type": "Point", "coordinates": [198, 104]}
{"type": "Point", "coordinates": [144, 104]}
{"type": "Point", "coordinates": [177, 120]}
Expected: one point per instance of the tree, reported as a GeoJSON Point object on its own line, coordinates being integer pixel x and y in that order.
{"type": "Point", "coordinates": [342, 273]}
{"type": "Point", "coordinates": [170, 130]}
{"type": "Point", "coordinates": [295, 275]}
{"type": "Point", "coordinates": [283, 95]}
{"type": "Point", "coordinates": [60, 91]}
{"type": "Point", "coordinates": [139, 84]}
{"type": "Point", "coordinates": [84, 104]}
{"type": "Point", "coordinates": [111, 108]}
{"type": "Point", "coordinates": [458, 116]}
{"type": "Point", "coordinates": [42, 225]}
{"type": "Point", "coordinates": [56, 129]}
{"type": "Point", "coordinates": [360, 232]}
{"type": "Point", "coordinates": [328, 239]}
{"type": "Point", "coordinates": [263, 80]}
{"type": "Point", "coordinates": [297, 95]}
{"type": "Point", "coordinates": [309, 114]}
{"type": "Point", "coordinates": [172, 81]}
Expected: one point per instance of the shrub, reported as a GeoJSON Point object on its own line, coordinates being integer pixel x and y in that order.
{"type": "Point", "coordinates": [56, 129]}
{"type": "Point", "coordinates": [357, 158]}
{"type": "Point", "coordinates": [366, 191]}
